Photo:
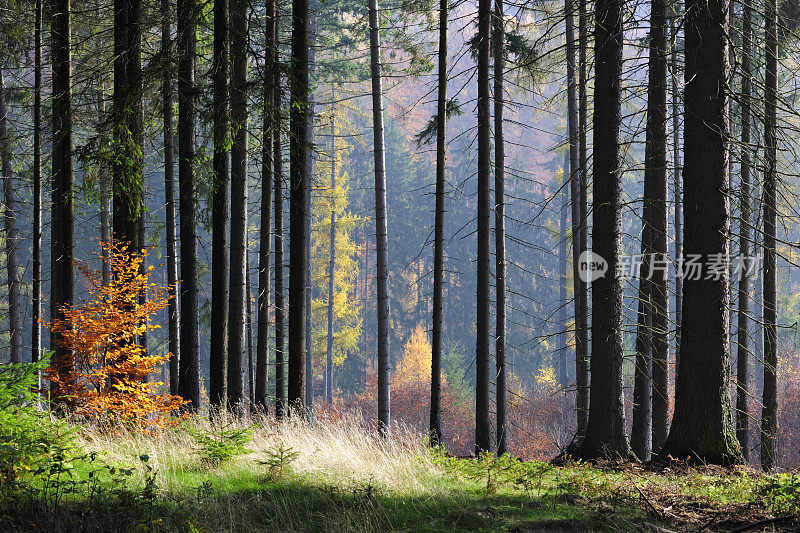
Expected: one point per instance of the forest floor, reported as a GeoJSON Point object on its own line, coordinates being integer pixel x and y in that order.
{"type": "Point", "coordinates": [332, 477]}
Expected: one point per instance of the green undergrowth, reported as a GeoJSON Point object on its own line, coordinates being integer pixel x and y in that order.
{"type": "Point", "coordinates": [294, 477]}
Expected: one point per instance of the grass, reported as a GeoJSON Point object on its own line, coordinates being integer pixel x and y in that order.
{"type": "Point", "coordinates": [339, 477]}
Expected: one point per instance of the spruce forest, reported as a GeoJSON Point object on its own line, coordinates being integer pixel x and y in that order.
{"type": "Point", "coordinates": [399, 265]}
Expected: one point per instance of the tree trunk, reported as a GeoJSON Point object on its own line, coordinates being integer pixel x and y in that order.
{"type": "Point", "coordinates": [331, 262]}
{"type": "Point", "coordinates": [220, 258]}
{"type": "Point", "coordinates": [189, 375]}
{"type": "Point", "coordinates": [36, 327]}
{"type": "Point", "coordinates": [128, 121]}
{"type": "Point", "coordinates": [582, 288]}
{"type": "Point", "coordinates": [702, 427]}
{"type": "Point", "coordinates": [298, 204]}
{"type": "Point", "coordinates": [656, 170]}
{"type": "Point", "coordinates": [237, 314]}
{"type": "Point", "coordinates": [769, 412]}
{"type": "Point", "coordinates": [169, 197]}
{"type": "Point", "coordinates": [500, 226]}
{"type": "Point", "coordinates": [10, 227]}
{"type": "Point", "coordinates": [312, 65]}
{"type": "Point", "coordinates": [280, 342]}
{"type": "Point", "coordinates": [106, 192]}
{"type": "Point", "coordinates": [562, 279]}
{"type": "Point", "coordinates": [482, 429]}
{"type": "Point", "coordinates": [62, 219]}
{"type": "Point", "coordinates": [270, 133]}
{"type": "Point", "coordinates": [742, 329]}
{"type": "Point", "coordinates": [438, 239]}
{"type": "Point", "coordinates": [249, 325]}
{"type": "Point", "coordinates": [605, 431]}
{"type": "Point", "coordinates": [677, 195]}
{"type": "Point", "coordinates": [381, 239]}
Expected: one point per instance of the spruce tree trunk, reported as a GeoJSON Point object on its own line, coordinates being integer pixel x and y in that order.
{"type": "Point", "coordinates": [280, 337]}
{"type": "Point", "coordinates": [331, 262]}
{"type": "Point", "coordinates": [249, 326]}
{"type": "Point", "coordinates": [10, 227]}
{"type": "Point", "coordinates": [36, 327]}
{"type": "Point", "coordinates": [500, 226]}
{"type": "Point", "coordinates": [641, 425]}
{"type": "Point", "coordinates": [62, 219]}
{"type": "Point", "coordinates": [572, 172]}
{"type": "Point", "coordinates": [435, 429]}
{"type": "Point", "coordinates": [605, 431]}
{"type": "Point", "coordinates": [582, 288]}
{"type": "Point", "coordinates": [312, 65]}
{"type": "Point", "coordinates": [128, 121]}
{"type": "Point", "coordinates": [169, 196]}
{"type": "Point", "coordinates": [381, 239]}
{"type": "Point", "coordinates": [270, 132]}
{"type": "Point", "coordinates": [482, 429]}
{"type": "Point", "coordinates": [677, 194]}
{"type": "Point", "coordinates": [562, 281]}
{"type": "Point", "coordinates": [702, 424]}
{"type": "Point", "coordinates": [189, 374]}
{"type": "Point", "coordinates": [106, 192]}
{"type": "Point", "coordinates": [298, 206]}
{"type": "Point", "coordinates": [656, 171]}
{"type": "Point", "coordinates": [769, 412]}
{"type": "Point", "coordinates": [220, 258]}
{"type": "Point", "coordinates": [742, 329]}
{"type": "Point", "coordinates": [237, 313]}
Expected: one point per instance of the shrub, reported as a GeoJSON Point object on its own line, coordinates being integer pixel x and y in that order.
{"type": "Point", "coordinates": [221, 444]}
{"type": "Point", "coordinates": [107, 375]}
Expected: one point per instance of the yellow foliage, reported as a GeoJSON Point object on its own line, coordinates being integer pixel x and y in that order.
{"type": "Point", "coordinates": [415, 365]}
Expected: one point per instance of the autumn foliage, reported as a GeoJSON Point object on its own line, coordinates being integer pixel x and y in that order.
{"type": "Point", "coordinates": [108, 373]}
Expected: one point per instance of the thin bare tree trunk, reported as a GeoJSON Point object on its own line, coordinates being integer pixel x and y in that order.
{"type": "Point", "coordinates": [500, 226]}
{"type": "Point", "coordinates": [381, 239]}
{"type": "Point", "coordinates": [742, 329]}
{"type": "Point", "coordinates": [237, 297]}
{"type": "Point", "coordinates": [189, 375]}
{"type": "Point", "coordinates": [220, 258]}
{"type": "Point", "coordinates": [438, 239]}
{"type": "Point", "coordinates": [167, 88]}
{"type": "Point", "coordinates": [270, 133]}
{"type": "Point", "coordinates": [331, 261]}
{"type": "Point", "coordinates": [10, 227]}
{"type": "Point", "coordinates": [298, 208]}
{"type": "Point", "coordinates": [769, 412]}
{"type": "Point", "coordinates": [280, 341]}
{"type": "Point", "coordinates": [36, 327]}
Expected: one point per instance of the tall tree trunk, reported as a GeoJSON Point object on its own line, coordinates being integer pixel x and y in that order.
{"type": "Point", "coordinates": [656, 170]}
{"type": "Point", "coordinates": [702, 425]}
{"type": "Point", "coordinates": [106, 192]}
{"type": "Point", "coordinates": [500, 226]}
{"type": "Point", "coordinates": [237, 314]}
{"type": "Point", "coordinates": [312, 65]}
{"type": "Point", "coordinates": [280, 313]}
{"type": "Point", "coordinates": [298, 208]}
{"type": "Point", "coordinates": [582, 224]}
{"type": "Point", "coordinates": [562, 279]}
{"type": "Point", "coordinates": [189, 375]}
{"type": "Point", "coordinates": [381, 239]}
{"type": "Point", "coordinates": [677, 194]}
{"type": "Point", "coordinates": [220, 259]}
{"type": "Point", "coordinates": [62, 219]}
{"type": "Point", "coordinates": [642, 422]}
{"type": "Point", "coordinates": [605, 431]}
{"type": "Point", "coordinates": [482, 429]}
{"type": "Point", "coordinates": [742, 329]}
{"type": "Point", "coordinates": [10, 227]}
{"type": "Point", "coordinates": [128, 121]}
{"type": "Point", "coordinates": [572, 172]}
{"type": "Point", "coordinates": [435, 429]}
{"type": "Point", "coordinates": [169, 196]}
{"type": "Point", "coordinates": [249, 325]}
{"type": "Point", "coordinates": [331, 262]}
{"type": "Point", "coordinates": [270, 134]}
{"type": "Point", "coordinates": [36, 327]}
{"type": "Point", "coordinates": [769, 412]}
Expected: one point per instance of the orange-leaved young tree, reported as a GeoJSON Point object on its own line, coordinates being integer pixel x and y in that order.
{"type": "Point", "coordinates": [107, 372]}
